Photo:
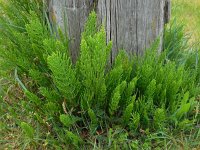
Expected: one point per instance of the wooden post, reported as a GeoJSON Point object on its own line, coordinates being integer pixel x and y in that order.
{"type": "Point", "coordinates": [131, 24]}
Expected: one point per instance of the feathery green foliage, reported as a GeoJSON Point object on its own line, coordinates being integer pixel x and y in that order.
{"type": "Point", "coordinates": [64, 76]}
{"type": "Point", "coordinates": [89, 104]}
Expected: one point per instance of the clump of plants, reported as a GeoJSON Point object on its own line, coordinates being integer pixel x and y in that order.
{"type": "Point", "coordinates": [86, 104]}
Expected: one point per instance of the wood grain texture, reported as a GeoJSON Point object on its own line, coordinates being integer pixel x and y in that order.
{"type": "Point", "coordinates": [131, 24]}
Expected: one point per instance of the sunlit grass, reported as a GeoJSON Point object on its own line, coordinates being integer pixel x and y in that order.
{"type": "Point", "coordinates": [188, 12]}
{"type": "Point", "coordinates": [11, 136]}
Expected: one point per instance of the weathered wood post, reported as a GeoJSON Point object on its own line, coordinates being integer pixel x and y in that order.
{"type": "Point", "coordinates": [131, 24]}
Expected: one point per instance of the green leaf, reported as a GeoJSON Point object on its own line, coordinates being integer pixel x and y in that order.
{"type": "Point", "coordinates": [182, 110]}
{"type": "Point", "coordinates": [34, 98]}
{"type": "Point", "coordinates": [28, 130]}
{"type": "Point", "coordinates": [131, 87]}
{"type": "Point", "coordinates": [185, 98]}
{"type": "Point", "coordinates": [67, 120]}
{"type": "Point", "coordinates": [114, 102]}
{"type": "Point", "coordinates": [159, 117]}
{"type": "Point", "coordinates": [76, 140]}
{"type": "Point", "coordinates": [64, 75]}
{"type": "Point", "coordinates": [135, 121]}
{"type": "Point", "coordinates": [127, 113]}
{"type": "Point", "coordinates": [92, 116]}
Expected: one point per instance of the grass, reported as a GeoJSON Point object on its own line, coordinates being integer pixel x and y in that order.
{"type": "Point", "coordinates": [12, 137]}
{"type": "Point", "coordinates": [188, 13]}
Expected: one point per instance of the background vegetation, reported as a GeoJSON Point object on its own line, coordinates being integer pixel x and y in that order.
{"type": "Point", "coordinates": [146, 102]}
{"type": "Point", "coordinates": [188, 13]}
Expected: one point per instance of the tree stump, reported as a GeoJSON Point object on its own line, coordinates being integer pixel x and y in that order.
{"type": "Point", "coordinates": [131, 25]}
